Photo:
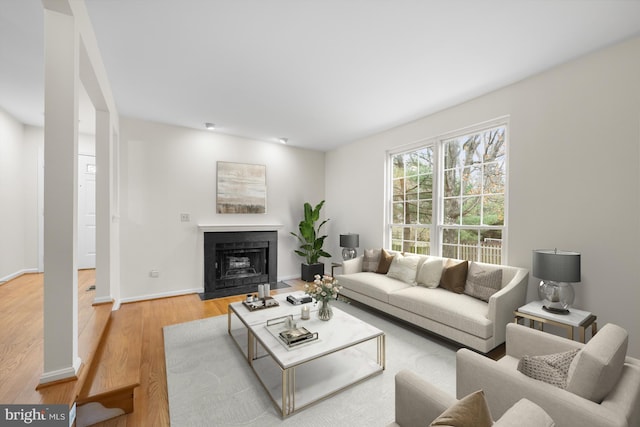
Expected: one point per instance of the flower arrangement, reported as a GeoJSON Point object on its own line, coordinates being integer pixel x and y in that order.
{"type": "Point", "coordinates": [323, 288]}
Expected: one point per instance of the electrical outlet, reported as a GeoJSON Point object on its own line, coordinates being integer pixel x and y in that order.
{"type": "Point", "coordinates": [154, 273]}
{"type": "Point", "coordinates": [185, 217]}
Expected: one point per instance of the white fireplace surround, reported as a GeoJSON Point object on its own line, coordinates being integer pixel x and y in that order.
{"type": "Point", "coordinates": [206, 228]}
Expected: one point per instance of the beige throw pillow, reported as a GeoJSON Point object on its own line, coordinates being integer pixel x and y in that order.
{"type": "Point", "coordinates": [482, 283]}
{"type": "Point", "coordinates": [371, 259]}
{"type": "Point", "coordinates": [454, 276]}
{"type": "Point", "coordinates": [471, 410]}
{"type": "Point", "coordinates": [550, 368]}
{"type": "Point", "coordinates": [403, 267]}
{"type": "Point", "coordinates": [430, 273]}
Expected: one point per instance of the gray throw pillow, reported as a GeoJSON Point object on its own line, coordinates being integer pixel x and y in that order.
{"type": "Point", "coordinates": [371, 259]}
{"type": "Point", "coordinates": [550, 368]}
{"type": "Point", "coordinates": [482, 283]}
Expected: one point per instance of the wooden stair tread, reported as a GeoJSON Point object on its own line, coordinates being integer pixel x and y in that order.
{"type": "Point", "coordinates": [116, 369]}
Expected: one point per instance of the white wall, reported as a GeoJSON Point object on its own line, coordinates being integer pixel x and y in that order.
{"type": "Point", "coordinates": [574, 174]}
{"type": "Point", "coordinates": [168, 170]}
{"type": "Point", "coordinates": [12, 222]}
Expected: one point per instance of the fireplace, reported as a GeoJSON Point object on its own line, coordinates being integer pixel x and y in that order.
{"type": "Point", "coordinates": [236, 262]}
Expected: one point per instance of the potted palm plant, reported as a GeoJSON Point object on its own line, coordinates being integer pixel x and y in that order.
{"type": "Point", "coordinates": [311, 242]}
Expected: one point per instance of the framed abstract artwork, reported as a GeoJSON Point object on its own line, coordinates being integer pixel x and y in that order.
{"type": "Point", "coordinates": [241, 188]}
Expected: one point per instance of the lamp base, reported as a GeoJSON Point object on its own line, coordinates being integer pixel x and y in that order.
{"type": "Point", "coordinates": [349, 253]}
{"type": "Point", "coordinates": [562, 311]}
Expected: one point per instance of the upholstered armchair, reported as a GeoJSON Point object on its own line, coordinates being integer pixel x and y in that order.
{"type": "Point", "coordinates": [419, 403]}
{"type": "Point", "coordinates": [601, 388]}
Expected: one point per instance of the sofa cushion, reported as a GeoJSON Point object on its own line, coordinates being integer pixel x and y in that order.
{"type": "Point", "coordinates": [550, 368]}
{"type": "Point", "coordinates": [430, 272]}
{"type": "Point", "coordinates": [471, 410]}
{"type": "Point", "coordinates": [525, 413]}
{"type": "Point", "coordinates": [482, 282]}
{"type": "Point", "coordinates": [385, 262]}
{"type": "Point", "coordinates": [404, 267]}
{"type": "Point", "coordinates": [454, 275]}
{"type": "Point", "coordinates": [371, 259]}
{"type": "Point", "coordinates": [597, 367]}
{"type": "Point", "coordinates": [458, 311]}
{"type": "Point", "coordinates": [374, 285]}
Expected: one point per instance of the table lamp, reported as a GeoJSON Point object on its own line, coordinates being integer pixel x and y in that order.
{"type": "Point", "coordinates": [557, 269]}
{"type": "Point", "coordinates": [349, 243]}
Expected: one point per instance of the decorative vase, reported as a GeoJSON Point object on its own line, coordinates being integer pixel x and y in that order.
{"type": "Point", "coordinates": [325, 312]}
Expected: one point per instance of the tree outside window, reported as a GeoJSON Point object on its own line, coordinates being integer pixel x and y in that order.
{"type": "Point", "coordinates": [465, 216]}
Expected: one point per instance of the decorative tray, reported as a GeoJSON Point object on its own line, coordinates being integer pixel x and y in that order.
{"type": "Point", "coordinates": [260, 304]}
{"type": "Point", "coordinates": [288, 333]}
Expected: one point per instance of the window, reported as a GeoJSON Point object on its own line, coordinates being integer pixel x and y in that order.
{"type": "Point", "coordinates": [448, 196]}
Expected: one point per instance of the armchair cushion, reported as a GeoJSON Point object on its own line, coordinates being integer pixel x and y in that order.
{"type": "Point", "coordinates": [550, 368]}
{"type": "Point", "coordinates": [470, 410]}
{"type": "Point", "coordinates": [597, 367]}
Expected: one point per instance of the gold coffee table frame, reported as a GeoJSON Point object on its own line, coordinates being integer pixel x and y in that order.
{"type": "Point", "coordinates": [294, 370]}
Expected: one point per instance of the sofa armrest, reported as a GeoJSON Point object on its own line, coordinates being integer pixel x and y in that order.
{"type": "Point", "coordinates": [354, 265]}
{"type": "Point", "coordinates": [417, 401]}
{"type": "Point", "coordinates": [504, 386]}
{"type": "Point", "coordinates": [503, 303]}
{"type": "Point", "coordinates": [524, 341]}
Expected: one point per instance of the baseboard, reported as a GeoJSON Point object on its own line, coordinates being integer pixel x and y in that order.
{"type": "Point", "coordinates": [162, 295]}
{"type": "Point", "coordinates": [17, 274]}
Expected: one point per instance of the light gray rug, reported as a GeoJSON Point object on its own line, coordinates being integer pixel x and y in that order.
{"type": "Point", "coordinates": [210, 384]}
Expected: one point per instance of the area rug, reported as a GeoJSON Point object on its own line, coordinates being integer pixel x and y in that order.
{"type": "Point", "coordinates": [210, 384]}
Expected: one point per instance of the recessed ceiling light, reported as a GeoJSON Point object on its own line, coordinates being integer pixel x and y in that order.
{"type": "Point", "coordinates": [210, 126]}
{"type": "Point", "coordinates": [283, 140]}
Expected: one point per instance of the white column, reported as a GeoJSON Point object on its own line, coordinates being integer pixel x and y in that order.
{"type": "Point", "coordinates": [104, 274]}
{"type": "Point", "coordinates": [61, 360]}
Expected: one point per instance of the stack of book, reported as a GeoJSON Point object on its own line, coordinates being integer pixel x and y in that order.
{"type": "Point", "coordinates": [299, 298]}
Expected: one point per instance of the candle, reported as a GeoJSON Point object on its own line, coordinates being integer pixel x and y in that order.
{"type": "Point", "coordinates": [304, 314]}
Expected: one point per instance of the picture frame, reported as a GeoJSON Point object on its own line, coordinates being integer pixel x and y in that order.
{"type": "Point", "coordinates": [241, 188]}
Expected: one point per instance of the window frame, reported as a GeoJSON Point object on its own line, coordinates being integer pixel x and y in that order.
{"type": "Point", "coordinates": [437, 226]}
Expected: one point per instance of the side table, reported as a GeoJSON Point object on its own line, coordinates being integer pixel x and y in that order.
{"type": "Point", "coordinates": [534, 312]}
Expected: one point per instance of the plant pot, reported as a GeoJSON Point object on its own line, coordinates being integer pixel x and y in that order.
{"type": "Point", "coordinates": [308, 271]}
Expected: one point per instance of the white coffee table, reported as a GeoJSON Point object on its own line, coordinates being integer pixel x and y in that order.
{"type": "Point", "coordinates": [347, 351]}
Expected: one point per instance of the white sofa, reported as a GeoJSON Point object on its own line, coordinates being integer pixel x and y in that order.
{"type": "Point", "coordinates": [464, 319]}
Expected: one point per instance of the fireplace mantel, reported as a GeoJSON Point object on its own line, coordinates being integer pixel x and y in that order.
{"type": "Point", "coordinates": [206, 228]}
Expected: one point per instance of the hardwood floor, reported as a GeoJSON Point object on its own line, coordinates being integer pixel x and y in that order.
{"type": "Point", "coordinates": [21, 358]}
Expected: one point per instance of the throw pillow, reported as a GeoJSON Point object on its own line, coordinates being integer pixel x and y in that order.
{"type": "Point", "coordinates": [454, 276]}
{"type": "Point", "coordinates": [371, 259]}
{"type": "Point", "coordinates": [403, 267]}
{"type": "Point", "coordinates": [430, 273]}
{"type": "Point", "coordinates": [525, 413]}
{"type": "Point", "coordinates": [598, 366]}
{"type": "Point", "coordinates": [385, 262]}
{"type": "Point", "coordinates": [471, 410]}
{"type": "Point", "coordinates": [481, 283]}
{"type": "Point", "coordinates": [550, 368]}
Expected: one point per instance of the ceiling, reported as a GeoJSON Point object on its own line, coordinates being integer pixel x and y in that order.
{"type": "Point", "coordinates": [321, 73]}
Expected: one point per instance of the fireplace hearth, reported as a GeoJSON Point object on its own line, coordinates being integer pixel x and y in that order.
{"type": "Point", "coordinates": [236, 262]}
